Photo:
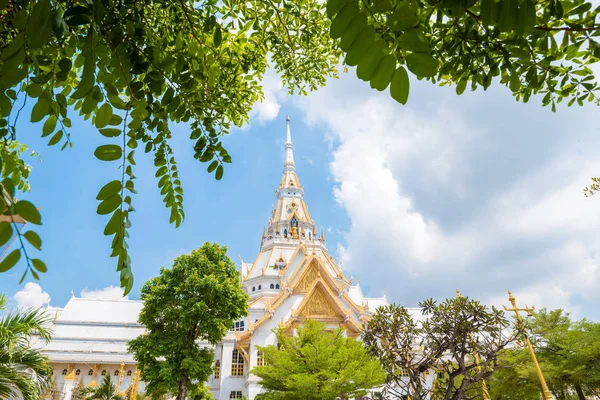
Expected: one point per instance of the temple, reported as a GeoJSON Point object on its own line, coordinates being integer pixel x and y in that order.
{"type": "Point", "coordinates": [293, 278]}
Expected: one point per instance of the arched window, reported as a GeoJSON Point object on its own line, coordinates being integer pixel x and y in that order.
{"type": "Point", "coordinates": [237, 363]}
{"type": "Point", "coordinates": [78, 372]}
{"type": "Point", "coordinates": [90, 372]}
{"type": "Point", "coordinates": [64, 371]}
{"type": "Point", "coordinates": [294, 222]}
{"type": "Point", "coordinates": [309, 236]}
{"type": "Point", "coordinates": [259, 287]}
{"type": "Point", "coordinates": [272, 286]}
{"type": "Point", "coordinates": [129, 373]}
{"type": "Point", "coordinates": [285, 233]}
{"type": "Point", "coordinates": [277, 286]}
{"type": "Point", "coordinates": [217, 369]}
{"type": "Point", "coordinates": [253, 288]}
{"type": "Point", "coordinates": [103, 372]}
{"type": "Point", "coordinates": [260, 359]}
{"type": "Point", "coordinates": [116, 373]}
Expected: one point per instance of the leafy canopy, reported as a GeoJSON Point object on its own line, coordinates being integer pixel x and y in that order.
{"type": "Point", "coordinates": [133, 67]}
{"type": "Point", "coordinates": [531, 46]}
{"type": "Point", "coordinates": [317, 364]}
{"type": "Point", "coordinates": [444, 342]}
{"type": "Point", "coordinates": [198, 299]}
{"type": "Point", "coordinates": [568, 352]}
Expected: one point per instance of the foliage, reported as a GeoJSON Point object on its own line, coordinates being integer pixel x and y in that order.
{"type": "Point", "coordinates": [105, 391]}
{"type": "Point", "coordinates": [444, 341]}
{"type": "Point", "coordinates": [531, 46]}
{"type": "Point", "coordinates": [316, 364]}
{"type": "Point", "coordinates": [198, 299]}
{"type": "Point", "coordinates": [569, 355]}
{"type": "Point", "coordinates": [25, 373]}
{"type": "Point", "coordinates": [132, 67]}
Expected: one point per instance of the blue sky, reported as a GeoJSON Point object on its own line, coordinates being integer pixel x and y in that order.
{"type": "Point", "coordinates": [476, 192]}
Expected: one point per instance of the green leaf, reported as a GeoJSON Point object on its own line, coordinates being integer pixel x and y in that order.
{"type": "Point", "coordinates": [356, 27]}
{"type": "Point", "coordinates": [34, 239]}
{"type": "Point", "coordinates": [109, 205]}
{"type": "Point", "coordinates": [113, 223]}
{"type": "Point", "coordinates": [359, 46]}
{"type": "Point", "coordinates": [39, 265]}
{"type": "Point", "coordinates": [414, 40]}
{"type": "Point", "coordinates": [9, 187]}
{"type": "Point", "coordinates": [403, 17]}
{"type": "Point", "coordinates": [515, 81]}
{"type": "Point", "coordinates": [40, 110]}
{"type": "Point", "coordinates": [10, 260]}
{"type": "Point", "coordinates": [219, 173]}
{"type": "Point", "coordinates": [218, 36]}
{"type": "Point", "coordinates": [56, 138]}
{"type": "Point", "coordinates": [6, 232]}
{"type": "Point", "coordinates": [33, 90]}
{"type": "Point", "coordinates": [370, 59]}
{"type": "Point", "coordinates": [39, 27]}
{"type": "Point", "coordinates": [422, 64]}
{"type": "Point", "coordinates": [49, 125]}
{"type": "Point", "coordinates": [110, 189]}
{"type": "Point", "coordinates": [212, 166]}
{"type": "Point", "coordinates": [110, 132]}
{"type": "Point", "coordinates": [28, 212]}
{"type": "Point", "coordinates": [65, 64]}
{"type": "Point", "coordinates": [104, 115]}
{"type": "Point", "coordinates": [342, 20]}
{"type": "Point", "coordinates": [108, 152]}
{"type": "Point", "coordinates": [383, 73]}
{"type": "Point", "coordinates": [334, 6]}
{"type": "Point", "coordinates": [400, 85]}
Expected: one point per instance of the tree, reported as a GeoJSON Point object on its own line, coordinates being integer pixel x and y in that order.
{"type": "Point", "coordinates": [569, 355]}
{"type": "Point", "coordinates": [458, 340]}
{"type": "Point", "coordinates": [25, 373]}
{"type": "Point", "coordinates": [187, 309]}
{"type": "Point", "coordinates": [132, 67]}
{"type": "Point", "coordinates": [106, 391]}
{"type": "Point", "coordinates": [530, 46]}
{"type": "Point", "coordinates": [317, 364]}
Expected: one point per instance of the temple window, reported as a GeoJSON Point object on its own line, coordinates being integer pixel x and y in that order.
{"type": "Point", "coordinates": [103, 372]}
{"type": "Point", "coordinates": [116, 373]}
{"type": "Point", "coordinates": [64, 372]}
{"type": "Point", "coordinates": [253, 288]}
{"type": "Point", "coordinates": [272, 286]}
{"type": "Point", "coordinates": [260, 359]}
{"type": "Point", "coordinates": [217, 369]}
{"type": "Point", "coordinates": [237, 363]}
{"type": "Point", "coordinates": [294, 222]}
{"type": "Point", "coordinates": [277, 286]}
{"type": "Point", "coordinates": [309, 236]}
{"type": "Point", "coordinates": [78, 372]}
{"type": "Point", "coordinates": [285, 233]}
{"type": "Point", "coordinates": [129, 373]}
{"type": "Point", "coordinates": [259, 287]}
{"type": "Point", "coordinates": [90, 372]}
{"type": "Point", "coordinates": [237, 394]}
{"type": "Point", "coordinates": [238, 326]}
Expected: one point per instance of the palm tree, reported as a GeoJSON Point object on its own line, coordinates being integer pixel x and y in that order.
{"type": "Point", "coordinates": [25, 373]}
{"type": "Point", "coordinates": [106, 391]}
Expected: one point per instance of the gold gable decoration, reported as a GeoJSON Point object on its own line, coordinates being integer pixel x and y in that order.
{"type": "Point", "coordinates": [308, 279]}
{"type": "Point", "coordinates": [318, 305]}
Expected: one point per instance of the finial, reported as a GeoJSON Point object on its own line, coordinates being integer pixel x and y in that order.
{"type": "Point", "coordinates": [458, 293]}
{"type": "Point", "coordinates": [287, 118]}
{"type": "Point", "coordinates": [72, 293]}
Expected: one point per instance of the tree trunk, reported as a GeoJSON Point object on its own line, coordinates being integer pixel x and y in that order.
{"type": "Point", "coordinates": [182, 392]}
{"type": "Point", "coordinates": [579, 392]}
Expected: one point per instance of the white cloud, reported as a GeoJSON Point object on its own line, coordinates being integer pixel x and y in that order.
{"type": "Point", "coordinates": [108, 293]}
{"type": "Point", "coordinates": [267, 109]}
{"type": "Point", "coordinates": [477, 192]}
{"type": "Point", "coordinates": [31, 296]}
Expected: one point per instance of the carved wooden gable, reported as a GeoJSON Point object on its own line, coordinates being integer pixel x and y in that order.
{"type": "Point", "coordinates": [308, 279]}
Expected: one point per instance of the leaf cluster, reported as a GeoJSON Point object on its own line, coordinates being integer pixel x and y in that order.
{"type": "Point", "coordinates": [530, 46]}
{"type": "Point", "coordinates": [197, 300]}
{"type": "Point", "coordinates": [317, 364]}
{"type": "Point", "coordinates": [131, 68]}
{"type": "Point", "coordinates": [458, 340]}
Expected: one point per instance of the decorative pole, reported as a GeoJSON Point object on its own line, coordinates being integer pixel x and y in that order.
{"type": "Point", "coordinates": [484, 389]}
{"type": "Point", "coordinates": [121, 370]}
{"type": "Point", "coordinates": [134, 386]}
{"type": "Point", "coordinates": [545, 392]}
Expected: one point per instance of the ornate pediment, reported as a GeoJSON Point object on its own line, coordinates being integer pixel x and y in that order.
{"type": "Point", "coordinates": [308, 279]}
{"type": "Point", "coordinates": [318, 305]}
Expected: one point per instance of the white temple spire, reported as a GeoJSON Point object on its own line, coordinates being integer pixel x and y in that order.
{"type": "Point", "coordinates": [289, 154]}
